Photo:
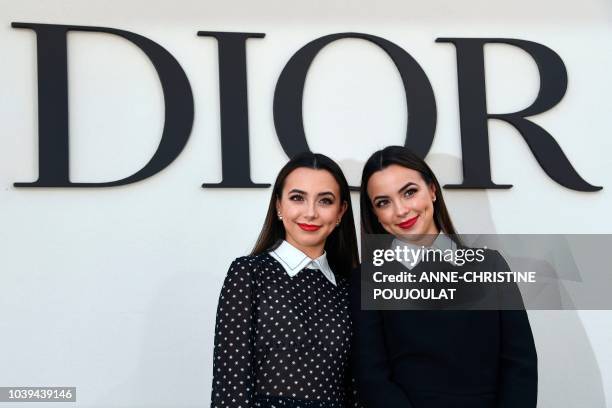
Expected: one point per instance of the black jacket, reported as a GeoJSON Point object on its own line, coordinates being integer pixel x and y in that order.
{"type": "Point", "coordinates": [444, 358]}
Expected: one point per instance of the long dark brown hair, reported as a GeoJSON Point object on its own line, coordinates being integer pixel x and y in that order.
{"type": "Point", "coordinates": [341, 244]}
{"type": "Point", "coordinates": [404, 157]}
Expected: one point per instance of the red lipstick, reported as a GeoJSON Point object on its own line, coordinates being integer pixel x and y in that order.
{"type": "Point", "coordinates": [309, 227]}
{"type": "Point", "coordinates": [408, 223]}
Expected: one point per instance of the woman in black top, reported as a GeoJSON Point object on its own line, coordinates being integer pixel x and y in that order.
{"type": "Point", "coordinates": [433, 358]}
{"type": "Point", "coordinates": [283, 330]}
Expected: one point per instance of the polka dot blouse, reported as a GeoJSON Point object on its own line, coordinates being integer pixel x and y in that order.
{"type": "Point", "coordinates": [281, 341]}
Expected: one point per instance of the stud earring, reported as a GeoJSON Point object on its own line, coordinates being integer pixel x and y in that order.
{"type": "Point", "coordinates": [280, 217]}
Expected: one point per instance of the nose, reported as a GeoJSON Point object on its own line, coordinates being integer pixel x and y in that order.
{"type": "Point", "coordinates": [401, 209]}
{"type": "Point", "coordinates": [311, 210]}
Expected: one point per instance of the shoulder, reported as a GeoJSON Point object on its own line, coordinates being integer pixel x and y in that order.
{"type": "Point", "coordinates": [243, 262]}
{"type": "Point", "coordinates": [241, 273]}
{"type": "Point", "coordinates": [250, 264]}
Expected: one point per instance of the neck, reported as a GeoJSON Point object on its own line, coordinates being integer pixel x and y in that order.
{"type": "Point", "coordinates": [313, 252]}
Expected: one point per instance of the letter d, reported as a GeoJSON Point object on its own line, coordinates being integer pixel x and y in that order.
{"type": "Point", "coordinates": [53, 151]}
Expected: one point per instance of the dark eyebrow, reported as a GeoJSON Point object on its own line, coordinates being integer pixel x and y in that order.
{"type": "Point", "coordinates": [410, 183]}
{"type": "Point", "coordinates": [295, 190]}
{"type": "Point", "coordinates": [377, 197]}
{"type": "Point", "coordinates": [327, 193]}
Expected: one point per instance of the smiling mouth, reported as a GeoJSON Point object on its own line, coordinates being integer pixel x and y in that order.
{"type": "Point", "coordinates": [309, 227]}
{"type": "Point", "coordinates": [408, 223]}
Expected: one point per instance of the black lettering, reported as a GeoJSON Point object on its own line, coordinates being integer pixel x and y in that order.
{"type": "Point", "coordinates": [474, 115]}
{"type": "Point", "coordinates": [53, 150]}
{"type": "Point", "coordinates": [289, 91]}
{"type": "Point", "coordinates": [235, 157]}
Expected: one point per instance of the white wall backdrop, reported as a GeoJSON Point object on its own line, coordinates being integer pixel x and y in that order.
{"type": "Point", "coordinates": [114, 290]}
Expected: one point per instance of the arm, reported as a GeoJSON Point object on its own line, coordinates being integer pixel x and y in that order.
{"type": "Point", "coordinates": [518, 385]}
{"type": "Point", "coordinates": [233, 379]}
{"type": "Point", "coordinates": [350, 387]}
{"type": "Point", "coordinates": [375, 387]}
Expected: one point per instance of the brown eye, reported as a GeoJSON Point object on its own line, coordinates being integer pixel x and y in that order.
{"type": "Point", "coordinates": [326, 201]}
{"type": "Point", "coordinates": [296, 197]}
{"type": "Point", "coordinates": [381, 203]}
{"type": "Point", "coordinates": [410, 192]}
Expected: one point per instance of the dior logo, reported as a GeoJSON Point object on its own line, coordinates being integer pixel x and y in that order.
{"type": "Point", "coordinates": [53, 153]}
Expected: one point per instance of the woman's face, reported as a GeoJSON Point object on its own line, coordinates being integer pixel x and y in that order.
{"type": "Point", "coordinates": [403, 202]}
{"type": "Point", "coordinates": [310, 208]}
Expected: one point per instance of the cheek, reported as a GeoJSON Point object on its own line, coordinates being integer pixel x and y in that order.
{"type": "Point", "coordinates": [424, 204]}
{"type": "Point", "coordinates": [291, 208]}
{"type": "Point", "coordinates": [330, 214]}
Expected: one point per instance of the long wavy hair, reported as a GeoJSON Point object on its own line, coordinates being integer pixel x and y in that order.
{"type": "Point", "coordinates": [341, 244]}
{"type": "Point", "coordinates": [404, 157]}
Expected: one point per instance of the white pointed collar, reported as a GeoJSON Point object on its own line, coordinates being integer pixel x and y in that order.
{"type": "Point", "coordinates": [293, 261]}
{"type": "Point", "coordinates": [442, 242]}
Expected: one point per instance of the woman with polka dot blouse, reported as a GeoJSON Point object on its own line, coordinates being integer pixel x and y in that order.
{"type": "Point", "coordinates": [283, 330]}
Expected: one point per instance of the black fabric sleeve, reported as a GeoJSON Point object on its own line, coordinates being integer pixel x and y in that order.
{"type": "Point", "coordinates": [518, 386]}
{"type": "Point", "coordinates": [375, 387]}
{"type": "Point", "coordinates": [350, 387]}
{"type": "Point", "coordinates": [233, 378]}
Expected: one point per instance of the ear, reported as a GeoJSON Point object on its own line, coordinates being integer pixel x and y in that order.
{"type": "Point", "coordinates": [432, 191]}
{"type": "Point", "coordinates": [343, 209]}
{"type": "Point", "coordinates": [278, 205]}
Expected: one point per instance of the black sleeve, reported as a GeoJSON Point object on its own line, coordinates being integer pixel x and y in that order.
{"type": "Point", "coordinates": [233, 379]}
{"type": "Point", "coordinates": [375, 387]}
{"type": "Point", "coordinates": [518, 387]}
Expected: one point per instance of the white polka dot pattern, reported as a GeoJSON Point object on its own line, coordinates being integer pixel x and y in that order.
{"type": "Point", "coordinates": [279, 340]}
